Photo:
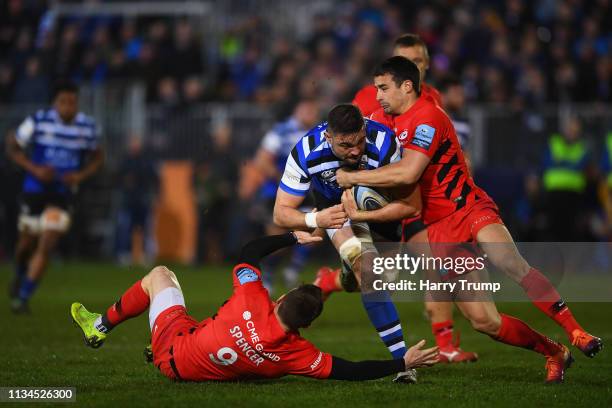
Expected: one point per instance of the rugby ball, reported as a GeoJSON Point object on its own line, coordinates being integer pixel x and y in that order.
{"type": "Point", "coordinates": [368, 199]}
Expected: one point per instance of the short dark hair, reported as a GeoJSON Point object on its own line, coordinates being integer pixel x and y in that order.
{"type": "Point", "coordinates": [64, 85]}
{"type": "Point", "coordinates": [410, 40]}
{"type": "Point", "coordinates": [401, 69]}
{"type": "Point", "coordinates": [448, 82]}
{"type": "Point", "coordinates": [301, 306]}
{"type": "Point", "coordinates": [344, 119]}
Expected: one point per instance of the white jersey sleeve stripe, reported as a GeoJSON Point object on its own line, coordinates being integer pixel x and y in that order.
{"type": "Point", "coordinates": [25, 131]}
{"type": "Point", "coordinates": [294, 181]}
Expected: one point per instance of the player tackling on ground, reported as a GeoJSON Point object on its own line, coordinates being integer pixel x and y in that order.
{"type": "Point", "coordinates": [457, 211]}
{"type": "Point", "coordinates": [249, 337]}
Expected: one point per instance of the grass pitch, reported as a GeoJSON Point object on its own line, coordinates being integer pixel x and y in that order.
{"type": "Point", "coordinates": [45, 349]}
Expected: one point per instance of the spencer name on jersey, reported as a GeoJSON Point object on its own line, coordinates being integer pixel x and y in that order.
{"type": "Point", "coordinates": [313, 163]}
{"type": "Point", "coordinates": [246, 340]}
{"type": "Point", "coordinates": [52, 142]}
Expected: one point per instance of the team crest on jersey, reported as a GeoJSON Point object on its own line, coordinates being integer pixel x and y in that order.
{"type": "Point", "coordinates": [423, 136]}
{"type": "Point", "coordinates": [246, 275]}
{"type": "Point", "coordinates": [402, 136]}
{"type": "Point", "coordinates": [329, 175]}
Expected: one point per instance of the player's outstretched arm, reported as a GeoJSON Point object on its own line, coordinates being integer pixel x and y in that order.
{"type": "Point", "coordinates": [253, 252]}
{"type": "Point", "coordinates": [288, 215]}
{"type": "Point", "coordinates": [18, 155]}
{"type": "Point", "coordinates": [415, 357]}
{"type": "Point", "coordinates": [406, 171]}
{"type": "Point", "coordinates": [394, 211]}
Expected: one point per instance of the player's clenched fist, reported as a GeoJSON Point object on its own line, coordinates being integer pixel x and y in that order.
{"type": "Point", "coordinates": [416, 357]}
{"type": "Point", "coordinates": [343, 178]}
{"type": "Point", "coordinates": [332, 217]}
{"type": "Point", "coordinates": [43, 173]}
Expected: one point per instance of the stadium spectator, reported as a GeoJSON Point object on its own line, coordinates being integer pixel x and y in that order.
{"type": "Point", "coordinates": [6, 83]}
{"type": "Point", "coordinates": [512, 42]}
{"type": "Point", "coordinates": [564, 181]}
{"type": "Point", "coordinates": [33, 85]}
{"type": "Point", "coordinates": [215, 181]}
{"type": "Point", "coordinates": [606, 171]}
{"type": "Point", "coordinates": [138, 183]}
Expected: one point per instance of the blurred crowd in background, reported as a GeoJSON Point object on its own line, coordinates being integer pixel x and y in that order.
{"type": "Point", "coordinates": [507, 52]}
{"type": "Point", "coordinates": [516, 55]}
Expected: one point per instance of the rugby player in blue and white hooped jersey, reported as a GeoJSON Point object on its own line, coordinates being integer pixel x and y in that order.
{"type": "Point", "coordinates": [346, 139]}
{"type": "Point", "coordinates": [270, 160]}
{"type": "Point", "coordinates": [58, 149]}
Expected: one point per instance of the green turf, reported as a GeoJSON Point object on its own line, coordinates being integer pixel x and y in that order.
{"type": "Point", "coordinates": [44, 349]}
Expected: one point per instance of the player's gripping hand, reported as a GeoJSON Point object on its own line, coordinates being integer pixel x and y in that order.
{"type": "Point", "coordinates": [343, 177]}
{"type": "Point", "coordinates": [332, 217]}
{"type": "Point", "coordinates": [304, 237]}
{"type": "Point", "coordinates": [72, 179]}
{"type": "Point", "coordinates": [350, 205]}
{"type": "Point", "coordinates": [416, 357]}
{"type": "Point", "coordinates": [43, 173]}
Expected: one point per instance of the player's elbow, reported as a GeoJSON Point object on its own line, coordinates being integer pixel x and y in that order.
{"type": "Point", "coordinates": [11, 147]}
{"type": "Point", "coordinates": [403, 179]}
{"type": "Point", "coordinates": [277, 217]}
{"type": "Point", "coordinates": [411, 212]}
{"type": "Point", "coordinates": [411, 177]}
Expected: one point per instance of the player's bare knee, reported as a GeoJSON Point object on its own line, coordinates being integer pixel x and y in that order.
{"type": "Point", "coordinates": [430, 310]}
{"type": "Point", "coordinates": [162, 272]}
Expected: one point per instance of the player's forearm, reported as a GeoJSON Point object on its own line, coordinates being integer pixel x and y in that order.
{"type": "Point", "coordinates": [287, 217]}
{"type": "Point", "coordinates": [21, 160]}
{"type": "Point", "coordinates": [394, 211]}
{"type": "Point", "coordinates": [364, 370]}
{"type": "Point", "coordinates": [392, 175]}
{"type": "Point", "coordinates": [265, 164]}
{"type": "Point", "coordinates": [253, 252]}
{"type": "Point", "coordinates": [17, 155]}
{"type": "Point", "coordinates": [93, 165]}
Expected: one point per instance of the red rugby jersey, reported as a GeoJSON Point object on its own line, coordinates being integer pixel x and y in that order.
{"type": "Point", "coordinates": [446, 184]}
{"type": "Point", "coordinates": [366, 101]}
{"type": "Point", "coordinates": [245, 340]}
